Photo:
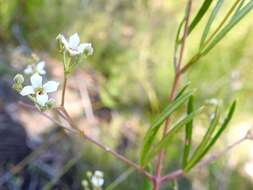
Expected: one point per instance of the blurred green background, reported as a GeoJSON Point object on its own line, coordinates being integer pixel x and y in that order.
{"type": "Point", "coordinates": [132, 62]}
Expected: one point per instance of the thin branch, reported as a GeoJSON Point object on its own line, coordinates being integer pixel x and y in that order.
{"type": "Point", "coordinates": [107, 149]}
{"type": "Point", "coordinates": [63, 90]}
{"type": "Point", "coordinates": [175, 84]}
{"type": "Point", "coordinates": [179, 173]}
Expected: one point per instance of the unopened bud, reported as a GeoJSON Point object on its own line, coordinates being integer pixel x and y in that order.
{"type": "Point", "coordinates": [19, 79]}
{"type": "Point", "coordinates": [51, 103]}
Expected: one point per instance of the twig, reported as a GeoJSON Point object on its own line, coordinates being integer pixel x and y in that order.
{"type": "Point", "coordinates": [63, 90]}
{"type": "Point", "coordinates": [173, 90]}
{"type": "Point", "coordinates": [180, 173]}
{"type": "Point", "coordinates": [104, 147]}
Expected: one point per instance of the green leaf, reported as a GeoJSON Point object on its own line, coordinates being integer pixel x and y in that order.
{"type": "Point", "coordinates": [214, 137]}
{"type": "Point", "coordinates": [175, 128]}
{"type": "Point", "coordinates": [210, 21]}
{"type": "Point", "coordinates": [204, 142]}
{"type": "Point", "coordinates": [181, 91]}
{"type": "Point", "coordinates": [203, 9]}
{"type": "Point", "coordinates": [238, 9]}
{"type": "Point", "coordinates": [153, 130]}
{"type": "Point", "coordinates": [188, 132]}
{"type": "Point", "coordinates": [147, 183]}
{"type": "Point", "coordinates": [233, 22]}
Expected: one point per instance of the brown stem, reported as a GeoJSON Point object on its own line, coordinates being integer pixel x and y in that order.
{"type": "Point", "coordinates": [174, 87]}
{"type": "Point", "coordinates": [63, 90]}
{"type": "Point", "coordinates": [104, 147]}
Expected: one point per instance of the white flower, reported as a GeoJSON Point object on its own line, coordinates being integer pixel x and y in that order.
{"type": "Point", "coordinates": [97, 179]}
{"type": "Point", "coordinates": [39, 68]}
{"type": "Point", "coordinates": [73, 45]}
{"type": "Point", "coordinates": [39, 90]}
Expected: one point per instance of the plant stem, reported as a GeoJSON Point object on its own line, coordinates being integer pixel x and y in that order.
{"type": "Point", "coordinates": [175, 85]}
{"type": "Point", "coordinates": [104, 147]}
{"type": "Point", "coordinates": [63, 90]}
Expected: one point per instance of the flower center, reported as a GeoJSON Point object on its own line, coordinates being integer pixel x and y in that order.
{"type": "Point", "coordinates": [39, 91]}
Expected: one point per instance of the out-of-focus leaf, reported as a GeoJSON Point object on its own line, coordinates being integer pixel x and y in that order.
{"type": "Point", "coordinates": [238, 9]}
{"type": "Point", "coordinates": [188, 132]}
{"type": "Point", "coordinates": [153, 130]}
{"type": "Point", "coordinates": [233, 22]}
{"type": "Point", "coordinates": [202, 11]}
{"type": "Point", "coordinates": [210, 21]}
{"type": "Point", "coordinates": [175, 128]}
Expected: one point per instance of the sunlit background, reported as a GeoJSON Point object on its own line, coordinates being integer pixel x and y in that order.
{"type": "Point", "coordinates": [116, 92]}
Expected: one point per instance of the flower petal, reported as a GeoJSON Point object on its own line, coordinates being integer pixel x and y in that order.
{"type": "Point", "coordinates": [40, 68]}
{"type": "Point", "coordinates": [86, 47]}
{"type": "Point", "coordinates": [42, 99]}
{"type": "Point", "coordinates": [63, 40]}
{"type": "Point", "coordinates": [27, 90]}
{"type": "Point", "coordinates": [28, 70]}
{"type": "Point", "coordinates": [74, 40]}
{"type": "Point", "coordinates": [50, 86]}
{"type": "Point", "coordinates": [36, 80]}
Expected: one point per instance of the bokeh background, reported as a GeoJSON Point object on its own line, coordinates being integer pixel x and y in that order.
{"type": "Point", "coordinates": [116, 92]}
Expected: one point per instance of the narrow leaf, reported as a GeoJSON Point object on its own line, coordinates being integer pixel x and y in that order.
{"type": "Point", "coordinates": [167, 139]}
{"type": "Point", "coordinates": [204, 142]}
{"type": "Point", "coordinates": [203, 9]}
{"type": "Point", "coordinates": [188, 131]}
{"type": "Point", "coordinates": [243, 12]}
{"type": "Point", "coordinates": [153, 130]}
{"type": "Point", "coordinates": [210, 21]}
{"type": "Point", "coordinates": [217, 134]}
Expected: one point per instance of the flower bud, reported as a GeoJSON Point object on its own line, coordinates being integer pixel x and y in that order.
{"type": "Point", "coordinates": [51, 103]}
{"type": "Point", "coordinates": [18, 79]}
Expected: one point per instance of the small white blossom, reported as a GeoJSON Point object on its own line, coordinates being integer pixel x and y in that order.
{"type": "Point", "coordinates": [39, 68]}
{"type": "Point", "coordinates": [39, 90]}
{"type": "Point", "coordinates": [97, 179]}
{"type": "Point", "coordinates": [73, 45]}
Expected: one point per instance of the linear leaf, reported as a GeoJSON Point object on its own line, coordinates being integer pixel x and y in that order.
{"type": "Point", "coordinates": [216, 135]}
{"type": "Point", "coordinates": [203, 9]}
{"type": "Point", "coordinates": [181, 91]}
{"type": "Point", "coordinates": [188, 131]}
{"type": "Point", "coordinates": [153, 130]}
{"type": "Point", "coordinates": [210, 21]}
{"type": "Point", "coordinates": [167, 139]}
{"type": "Point", "coordinates": [199, 150]}
{"type": "Point", "coordinates": [243, 12]}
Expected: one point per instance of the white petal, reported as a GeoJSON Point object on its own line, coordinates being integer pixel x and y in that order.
{"type": "Point", "coordinates": [63, 40]}
{"type": "Point", "coordinates": [97, 182]}
{"type": "Point", "coordinates": [36, 80]}
{"type": "Point", "coordinates": [73, 52]}
{"type": "Point", "coordinates": [86, 47]}
{"type": "Point", "coordinates": [74, 40]}
{"type": "Point", "coordinates": [51, 86]}
{"type": "Point", "coordinates": [28, 70]}
{"type": "Point", "coordinates": [27, 90]}
{"type": "Point", "coordinates": [40, 68]}
{"type": "Point", "coordinates": [42, 99]}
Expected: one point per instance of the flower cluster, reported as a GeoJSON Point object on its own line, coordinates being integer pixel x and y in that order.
{"type": "Point", "coordinates": [73, 46]}
{"type": "Point", "coordinates": [72, 51]}
{"type": "Point", "coordinates": [95, 180]}
{"type": "Point", "coordinates": [36, 91]}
